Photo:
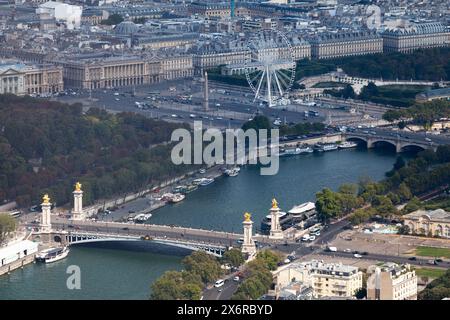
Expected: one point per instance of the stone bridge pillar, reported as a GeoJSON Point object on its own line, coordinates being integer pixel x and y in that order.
{"type": "Point", "coordinates": [77, 211]}
{"type": "Point", "coordinates": [46, 225]}
{"type": "Point", "coordinates": [275, 228]}
{"type": "Point", "coordinates": [248, 246]}
{"type": "Point", "coordinates": [369, 143]}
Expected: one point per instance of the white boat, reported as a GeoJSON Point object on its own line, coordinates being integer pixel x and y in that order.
{"type": "Point", "coordinates": [197, 181]}
{"type": "Point", "coordinates": [326, 147]}
{"type": "Point", "coordinates": [52, 254]}
{"type": "Point", "coordinates": [177, 197]}
{"type": "Point", "coordinates": [295, 151]}
{"type": "Point", "coordinates": [306, 149]}
{"type": "Point", "coordinates": [167, 196]}
{"type": "Point", "coordinates": [142, 217]}
{"type": "Point", "coordinates": [348, 144]}
{"type": "Point", "coordinates": [232, 172]}
{"type": "Point", "coordinates": [302, 208]}
{"type": "Point", "coordinates": [206, 181]}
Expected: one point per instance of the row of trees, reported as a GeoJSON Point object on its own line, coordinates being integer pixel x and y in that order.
{"type": "Point", "coordinates": [426, 64]}
{"type": "Point", "coordinates": [258, 276]}
{"type": "Point", "coordinates": [421, 113]}
{"type": "Point", "coordinates": [399, 96]}
{"type": "Point", "coordinates": [45, 147]}
{"type": "Point", "coordinates": [427, 171]}
{"type": "Point", "coordinates": [199, 270]}
{"type": "Point", "coordinates": [7, 226]}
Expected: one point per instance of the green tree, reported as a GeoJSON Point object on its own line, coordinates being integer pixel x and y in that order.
{"type": "Point", "coordinates": [413, 205]}
{"type": "Point", "coordinates": [269, 259]}
{"type": "Point", "coordinates": [328, 204]}
{"type": "Point", "coordinates": [168, 287]}
{"type": "Point", "coordinates": [438, 289]}
{"type": "Point", "coordinates": [234, 257]}
{"type": "Point", "coordinates": [258, 122]}
{"type": "Point", "coordinates": [361, 215]}
{"type": "Point", "coordinates": [7, 226]}
{"type": "Point", "coordinates": [404, 229]}
{"type": "Point", "coordinates": [203, 264]}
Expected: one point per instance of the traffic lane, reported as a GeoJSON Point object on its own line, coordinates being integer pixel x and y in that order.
{"type": "Point", "coordinates": [222, 293]}
{"type": "Point", "coordinates": [392, 258]}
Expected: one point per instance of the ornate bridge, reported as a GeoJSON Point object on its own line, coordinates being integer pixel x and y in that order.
{"type": "Point", "coordinates": [399, 143]}
{"type": "Point", "coordinates": [212, 242]}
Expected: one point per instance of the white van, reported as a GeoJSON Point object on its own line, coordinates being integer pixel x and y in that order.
{"type": "Point", "coordinates": [219, 283]}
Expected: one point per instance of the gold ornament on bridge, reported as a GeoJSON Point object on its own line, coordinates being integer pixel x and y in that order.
{"type": "Point", "coordinates": [45, 199]}
{"type": "Point", "coordinates": [274, 203]}
{"type": "Point", "coordinates": [77, 186]}
{"type": "Point", "coordinates": [247, 217]}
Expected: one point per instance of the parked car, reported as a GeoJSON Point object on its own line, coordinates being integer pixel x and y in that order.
{"type": "Point", "coordinates": [219, 283]}
{"type": "Point", "coordinates": [236, 279]}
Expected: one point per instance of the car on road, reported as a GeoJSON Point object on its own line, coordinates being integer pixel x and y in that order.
{"type": "Point", "coordinates": [356, 255]}
{"type": "Point", "coordinates": [125, 228]}
{"type": "Point", "coordinates": [202, 171]}
{"type": "Point", "coordinates": [428, 139]}
{"type": "Point", "coordinates": [219, 283]}
{"type": "Point", "coordinates": [412, 258]}
{"type": "Point", "coordinates": [236, 279]}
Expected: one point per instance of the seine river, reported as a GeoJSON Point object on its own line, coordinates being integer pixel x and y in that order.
{"type": "Point", "coordinates": [124, 274]}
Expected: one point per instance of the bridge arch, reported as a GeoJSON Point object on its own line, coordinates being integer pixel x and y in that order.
{"type": "Point", "coordinates": [358, 140]}
{"type": "Point", "coordinates": [382, 143]}
{"type": "Point", "coordinates": [411, 147]}
{"type": "Point", "coordinates": [161, 245]}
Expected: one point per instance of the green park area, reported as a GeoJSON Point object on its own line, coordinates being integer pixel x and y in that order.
{"type": "Point", "coordinates": [430, 272]}
{"type": "Point", "coordinates": [433, 252]}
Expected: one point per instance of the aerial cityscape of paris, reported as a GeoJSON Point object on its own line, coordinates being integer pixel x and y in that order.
{"type": "Point", "coordinates": [246, 151]}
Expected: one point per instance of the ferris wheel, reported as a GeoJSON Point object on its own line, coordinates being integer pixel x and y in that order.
{"type": "Point", "coordinates": [270, 66]}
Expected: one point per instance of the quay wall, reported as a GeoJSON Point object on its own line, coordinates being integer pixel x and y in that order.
{"type": "Point", "coordinates": [20, 263]}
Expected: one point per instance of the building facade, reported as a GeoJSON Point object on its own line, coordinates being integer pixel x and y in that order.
{"type": "Point", "coordinates": [346, 44]}
{"type": "Point", "coordinates": [392, 282]}
{"type": "Point", "coordinates": [416, 36]}
{"type": "Point", "coordinates": [326, 279]}
{"type": "Point", "coordinates": [431, 223]}
{"type": "Point", "coordinates": [21, 79]}
{"type": "Point", "coordinates": [176, 67]}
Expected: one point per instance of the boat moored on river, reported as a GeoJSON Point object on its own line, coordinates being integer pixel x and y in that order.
{"type": "Point", "coordinates": [347, 145]}
{"type": "Point", "coordinates": [53, 254]}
